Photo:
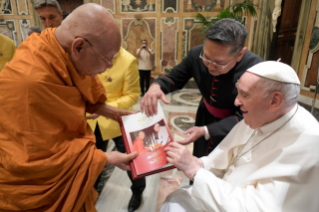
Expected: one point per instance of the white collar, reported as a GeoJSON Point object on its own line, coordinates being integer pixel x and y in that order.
{"type": "Point", "coordinates": [270, 127]}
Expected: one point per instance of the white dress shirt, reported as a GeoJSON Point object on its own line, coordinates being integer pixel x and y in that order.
{"type": "Point", "coordinates": [144, 60]}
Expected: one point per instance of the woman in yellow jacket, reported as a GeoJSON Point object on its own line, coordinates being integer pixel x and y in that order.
{"type": "Point", "coordinates": [122, 87]}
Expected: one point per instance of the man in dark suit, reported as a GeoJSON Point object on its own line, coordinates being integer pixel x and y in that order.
{"type": "Point", "coordinates": [216, 67]}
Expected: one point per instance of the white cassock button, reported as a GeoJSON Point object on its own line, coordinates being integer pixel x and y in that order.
{"type": "Point", "coordinates": [248, 158]}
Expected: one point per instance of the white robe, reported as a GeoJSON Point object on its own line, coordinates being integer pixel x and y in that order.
{"type": "Point", "coordinates": [163, 136]}
{"type": "Point", "coordinates": [279, 174]}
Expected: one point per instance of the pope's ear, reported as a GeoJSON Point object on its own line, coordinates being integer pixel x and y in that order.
{"type": "Point", "coordinates": [277, 101]}
{"type": "Point", "coordinates": [77, 47]}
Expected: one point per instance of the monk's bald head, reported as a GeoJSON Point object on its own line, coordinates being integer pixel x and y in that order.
{"type": "Point", "coordinates": [96, 22]}
{"type": "Point", "coordinates": [90, 30]}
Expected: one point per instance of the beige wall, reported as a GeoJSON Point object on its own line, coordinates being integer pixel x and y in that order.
{"type": "Point", "coordinates": [168, 25]}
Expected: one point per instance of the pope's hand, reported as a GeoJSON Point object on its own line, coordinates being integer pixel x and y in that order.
{"type": "Point", "coordinates": [120, 160]}
{"type": "Point", "coordinates": [182, 159]}
{"type": "Point", "coordinates": [149, 101]}
{"type": "Point", "coordinates": [193, 134]}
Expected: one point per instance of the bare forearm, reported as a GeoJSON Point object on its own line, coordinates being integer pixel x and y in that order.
{"type": "Point", "coordinates": [108, 111]}
{"type": "Point", "coordinates": [112, 112]}
{"type": "Point", "coordinates": [125, 102]}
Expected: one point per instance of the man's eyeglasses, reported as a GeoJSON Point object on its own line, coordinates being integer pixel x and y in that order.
{"type": "Point", "coordinates": [210, 62]}
{"type": "Point", "coordinates": [106, 60]}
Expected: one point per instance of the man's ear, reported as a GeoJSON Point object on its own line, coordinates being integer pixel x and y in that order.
{"type": "Point", "coordinates": [241, 54]}
{"type": "Point", "coordinates": [277, 101]}
{"type": "Point", "coordinates": [77, 48]}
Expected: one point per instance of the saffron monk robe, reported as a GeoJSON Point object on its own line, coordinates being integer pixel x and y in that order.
{"type": "Point", "coordinates": [48, 158]}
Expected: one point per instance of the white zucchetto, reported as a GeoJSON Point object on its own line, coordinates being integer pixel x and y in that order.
{"type": "Point", "coordinates": [277, 71]}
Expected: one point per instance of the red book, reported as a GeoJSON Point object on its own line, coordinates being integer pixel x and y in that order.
{"type": "Point", "coordinates": [149, 136]}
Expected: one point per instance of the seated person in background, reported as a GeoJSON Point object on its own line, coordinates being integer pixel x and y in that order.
{"type": "Point", "coordinates": [48, 158]}
{"type": "Point", "coordinates": [34, 29]}
{"type": "Point", "coordinates": [268, 162]}
{"type": "Point", "coordinates": [139, 143]}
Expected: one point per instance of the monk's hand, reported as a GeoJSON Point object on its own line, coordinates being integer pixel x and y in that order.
{"type": "Point", "coordinates": [193, 134]}
{"type": "Point", "coordinates": [121, 160]}
{"type": "Point", "coordinates": [112, 112]}
{"type": "Point", "coordinates": [120, 112]}
{"type": "Point", "coordinates": [149, 101]}
{"type": "Point", "coordinates": [182, 159]}
{"type": "Point", "coordinates": [92, 116]}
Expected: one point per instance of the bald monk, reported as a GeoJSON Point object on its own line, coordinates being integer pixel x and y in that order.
{"type": "Point", "coordinates": [48, 158]}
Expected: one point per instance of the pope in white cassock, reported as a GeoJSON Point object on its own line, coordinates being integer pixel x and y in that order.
{"type": "Point", "coordinates": [268, 162]}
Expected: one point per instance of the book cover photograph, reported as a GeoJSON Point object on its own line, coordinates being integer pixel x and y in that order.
{"type": "Point", "coordinates": [149, 136]}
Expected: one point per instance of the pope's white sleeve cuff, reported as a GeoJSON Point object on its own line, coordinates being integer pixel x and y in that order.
{"type": "Point", "coordinates": [207, 136]}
